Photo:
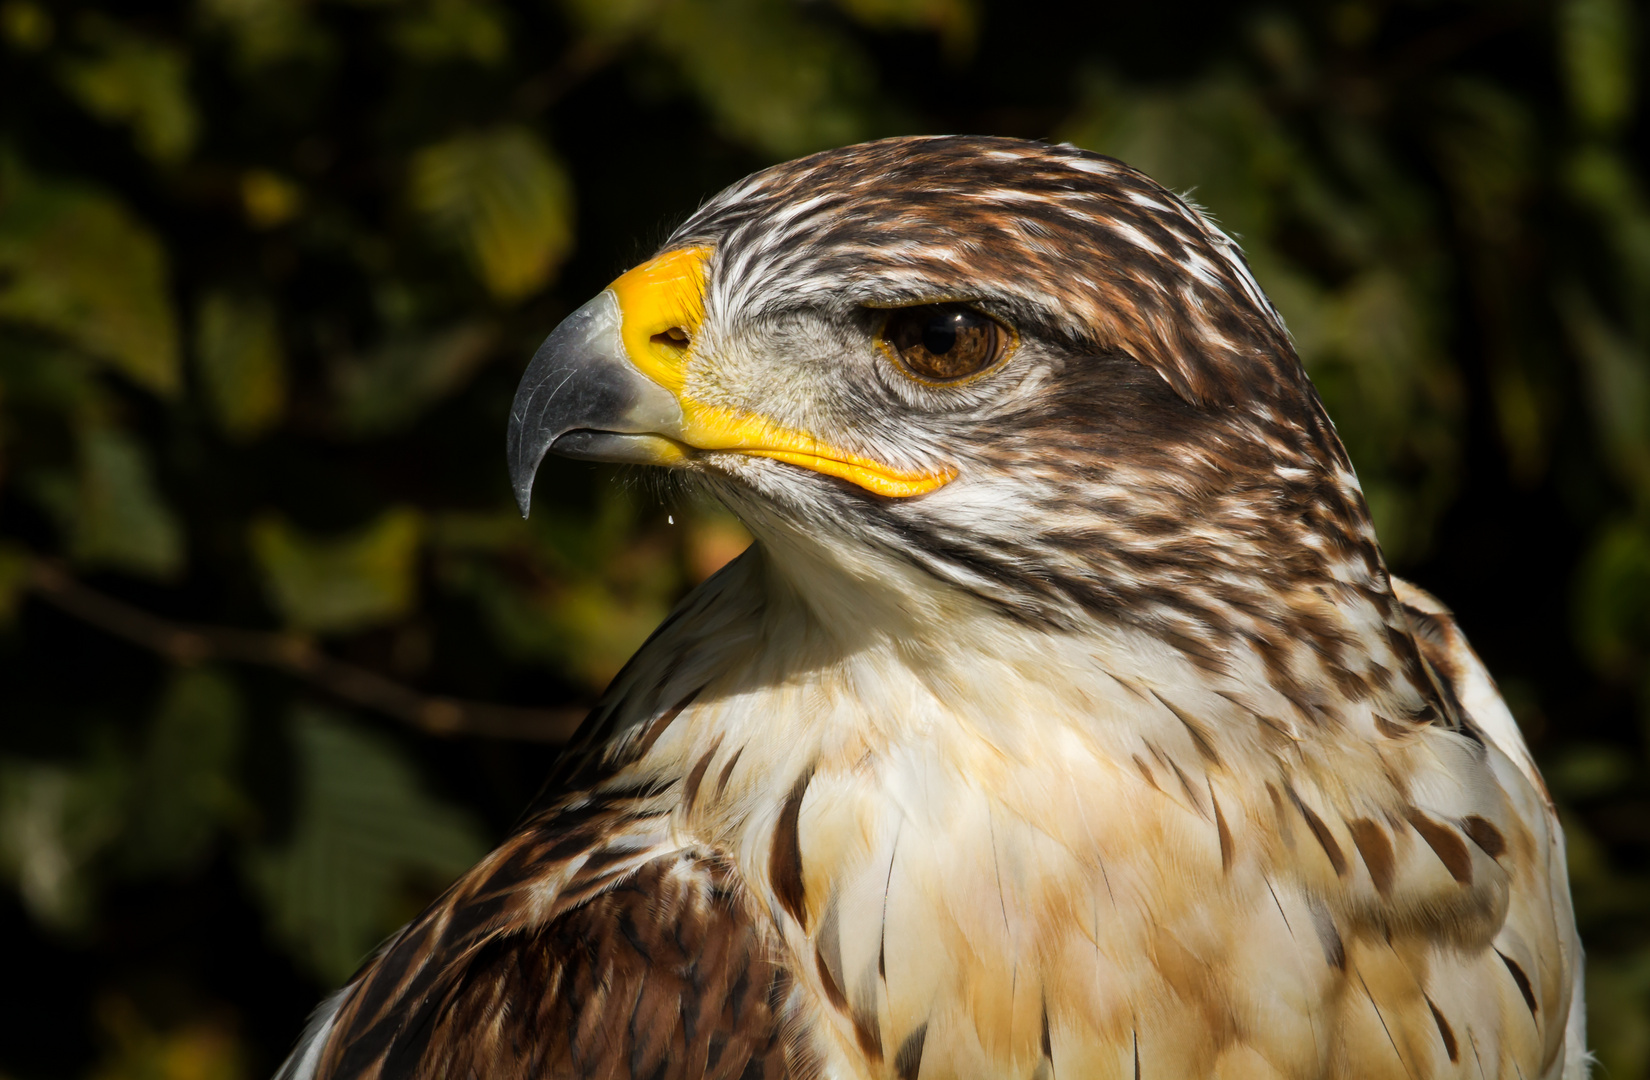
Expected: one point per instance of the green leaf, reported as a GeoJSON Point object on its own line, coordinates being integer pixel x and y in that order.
{"type": "Point", "coordinates": [269, 198]}
{"type": "Point", "coordinates": [365, 832]}
{"type": "Point", "coordinates": [501, 198]}
{"type": "Point", "coordinates": [587, 628]}
{"type": "Point", "coordinates": [1596, 42]}
{"type": "Point", "coordinates": [54, 822]}
{"type": "Point", "coordinates": [242, 368]}
{"type": "Point", "coordinates": [184, 787]}
{"type": "Point", "coordinates": [1618, 1001]}
{"type": "Point", "coordinates": [612, 18]}
{"type": "Point", "coordinates": [39, 375]}
{"type": "Point", "coordinates": [392, 386]}
{"type": "Point", "coordinates": [267, 32]}
{"type": "Point", "coordinates": [600, 586]}
{"type": "Point", "coordinates": [1604, 181]}
{"type": "Point", "coordinates": [486, 531]}
{"type": "Point", "coordinates": [1612, 599]}
{"type": "Point", "coordinates": [437, 30]}
{"type": "Point", "coordinates": [1589, 770]}
{"type": "Point", "coordinates": [1617, 378]}
{"type": "Point", "coordinates": [955, 21]}
{"type": "Point", "coordinates": [199, 1048]}
{"type": "Point", "coordinates": [343, 584]}
{"type": "Point", "coordinates": [25, 25]}
{"type": "Point", "coordinates": [118, 517]}
{"type": "Point", "coordinates": [75, 263]}
{"type": "Point", "coordinates": [132, 80]}
{"type": "Point", "coordinates": [769, 75]}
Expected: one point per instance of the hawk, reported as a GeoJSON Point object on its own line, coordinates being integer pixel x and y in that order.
{"type": "Point", "coordinates": [1063, 720]}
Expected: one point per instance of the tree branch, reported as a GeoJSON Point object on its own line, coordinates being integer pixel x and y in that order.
{"type": "Point", "coordinates": [297, 656]}
{"type": "Point", "coordinates": [581, 60]}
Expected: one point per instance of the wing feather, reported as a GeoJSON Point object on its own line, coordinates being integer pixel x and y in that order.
{"type": "Point", "coordinates": [1445, 648]}
{"type": "Point", "coordinates": [619, 956]}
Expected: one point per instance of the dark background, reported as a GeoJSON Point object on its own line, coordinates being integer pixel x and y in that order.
{"type": "Point", "coordinates": [277, 657]}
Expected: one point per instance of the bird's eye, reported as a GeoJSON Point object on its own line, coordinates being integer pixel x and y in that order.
{"type": "Point", "coordinates": [673, 338]}
{"type": "Point", "coordinates": [944, 342]}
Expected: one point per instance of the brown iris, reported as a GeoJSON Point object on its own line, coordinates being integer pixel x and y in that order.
{"type": "Point", "coordinates": [944, 342]}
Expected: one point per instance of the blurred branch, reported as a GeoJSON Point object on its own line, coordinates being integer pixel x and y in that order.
{"type": "Point", "coordinates": [297, 656]}
{"type": "Point", "coordinates": [1437, 48]}
{"type": "Point", "coordinates": [581, 60]}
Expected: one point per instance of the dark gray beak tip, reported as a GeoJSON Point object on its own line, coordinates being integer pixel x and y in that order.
{"type": "Point", "coordinates": [554, 393]}
{"type": "Point", "coordinates": [580, 384]}
{"type": "Point", "coordinates": [523, 468]}
{"type": "Point", "coordinates": [524, 458]}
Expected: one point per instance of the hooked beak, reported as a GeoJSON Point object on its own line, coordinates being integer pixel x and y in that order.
{"type": "Point", "coordinates": [608, 384]}
{"type": "Point", "coordinates": [582, 398]}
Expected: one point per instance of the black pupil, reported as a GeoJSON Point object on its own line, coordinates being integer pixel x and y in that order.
{"type": "Point", "coordinates": [940, 335]}
{"type": "Point", "coordinates": [943, 342]}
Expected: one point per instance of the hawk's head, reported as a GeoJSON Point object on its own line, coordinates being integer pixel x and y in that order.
{"type": "Point", "coordinates": [1026, 369]}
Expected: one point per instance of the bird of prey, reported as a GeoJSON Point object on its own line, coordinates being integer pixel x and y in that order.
{"type": "Point", "coordinates": [1063, 721]}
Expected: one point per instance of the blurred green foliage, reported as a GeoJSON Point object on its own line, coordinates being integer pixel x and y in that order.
{"type": "Point", "coordinates": [269, 270]}
{"type": "Point", "coordinates": [363, 826]}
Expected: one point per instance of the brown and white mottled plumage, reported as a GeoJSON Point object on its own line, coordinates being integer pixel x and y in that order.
{"type": "Point", "coordinates": [1114, 752]}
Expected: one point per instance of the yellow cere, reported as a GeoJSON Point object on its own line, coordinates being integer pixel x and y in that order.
{"type": "Point", "coordinates": [662, 303]}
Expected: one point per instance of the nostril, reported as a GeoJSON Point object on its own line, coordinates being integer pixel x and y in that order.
{"type": "Point", "coordinates": [674, 338]}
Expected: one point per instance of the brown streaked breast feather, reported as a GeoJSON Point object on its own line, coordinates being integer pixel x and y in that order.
{"type": "Point", "coordinates": [785, 860]}
{"type": "Point", "coordinates": [1445, 843]}
{"type": "Point", "coordinates": [1485, 835]}
{"type": "Point", "coordinates": [1372, 843]}
{"type": "Point", "coordinates": [908, 1062]}
{"type": "Point", "coordinates": [1326, 839]}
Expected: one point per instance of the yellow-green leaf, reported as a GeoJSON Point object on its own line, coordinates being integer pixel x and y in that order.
{"type": "Point", "coordinates": [1618, 990]}
{"type": "Point", "coordinates": [266, 32]}
{"type": "Point", "coordinates": [1596, 43]}
{"type": "Point", "coordinates": [774, 76]}
{"type": "Point", "coordinates": [1612, 599]}
{"type": "Point", "coordinates": [242, 368]}
{"type": "Point", "coordinates": [269, 199]}
{"type": "Point", "coordinates": [504, 200]}
{"type": "Point", "coordinates": [770, 75]}
{"type": "Point", "coordinates": [119, 518]}
{"type": "Point", "coordinates": [200, 1048]}
{"type": "Point", "coordinates": [452, 30]}
{"type": "Point", "coordinates": [74, 262]}
{"type": "Point", "coordinates": [612, 18]}
{"type": "Point", "coordinates": [343, 583]}
{"type": "Point", "coordinates": [129, 79]}
{"type": "Point", "coordinates": [25, 25]}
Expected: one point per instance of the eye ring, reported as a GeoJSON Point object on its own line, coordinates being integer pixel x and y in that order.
{"type": "Point", "coordinates": [944, 344]}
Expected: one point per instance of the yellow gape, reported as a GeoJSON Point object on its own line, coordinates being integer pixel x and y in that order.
{"type": "Point", "coordinates": [662, 303]}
